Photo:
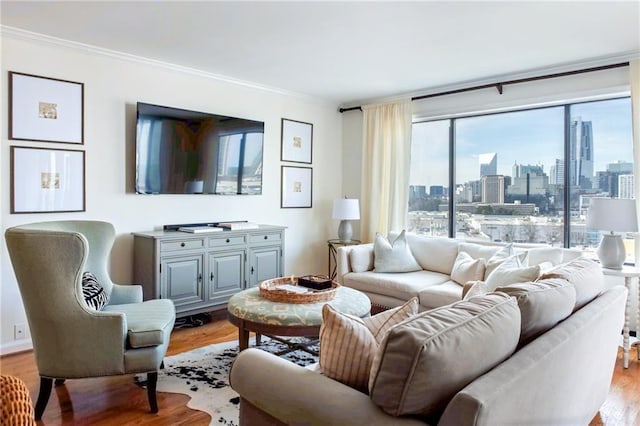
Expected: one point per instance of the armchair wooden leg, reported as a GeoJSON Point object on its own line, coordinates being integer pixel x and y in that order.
{"type": "Point", "coordinates": [152, 380]}
{"type": "Point", "coordinates": [162, 364]}
{"type": "Point", "coordinates": [59, 382]}
{"type": "Point", "coordinates": [43, 396]}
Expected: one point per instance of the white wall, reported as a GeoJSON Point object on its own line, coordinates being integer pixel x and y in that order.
{"type": "Point", "coordinates": [113, 85]}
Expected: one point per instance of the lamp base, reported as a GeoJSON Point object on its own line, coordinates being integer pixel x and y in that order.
{"type": "Point", "coordinates": [611, 251]}
{"type": "Point", "coordinates": [345, 231]}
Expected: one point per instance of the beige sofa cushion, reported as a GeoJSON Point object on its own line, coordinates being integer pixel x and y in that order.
{"type": "Point", "coordinates": [361, 258]}
{"type": "Point", "coordinates": [393, 257]}
{"type": "Point", "coordinates": [542, 305]}
{"type": "Point", "coordinates": [434, 253]}
{"type": "Point", "coordinates": [402, 286]}
{"type": "Point", "coordinates": [424, 361]}
{"type": "Point", "coordinates": [466, 268]}
{"type": "Point", "coordinates": [585, 275]}
{"type": "Point", "coordinates": [439, 295]}
{"type": "Point", "coordinates": [348, 343]}
{"type": "Point", "coordinates": [537, 255]}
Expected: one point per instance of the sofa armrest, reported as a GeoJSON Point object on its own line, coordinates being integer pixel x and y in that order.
{"type": "Point", "coordinates": [344, 265]}
{"type": "Point", "coordinates": [296, 395]}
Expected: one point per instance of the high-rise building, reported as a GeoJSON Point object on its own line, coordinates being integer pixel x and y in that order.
{"type": "Point", "coordinates": [581, 154]}
{"type": "Point", "coordinates": [621, 167]}
{"type": "Point", "coordinates": [436, 190]}
{"type": "Point", "coordinates": [556, 173]}
{"type": "Point", "coordinates": [607, 182]}
{"type": "Point", "coordinates": [488, 164]}
{"type": "Point", "coordinates": [493, 189]}
{"type": "Point", "coordinates": [521, 170]}
{"type": "Point", "coordinates": [625, 187]}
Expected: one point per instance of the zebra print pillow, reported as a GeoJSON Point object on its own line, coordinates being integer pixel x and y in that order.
{"type": "Point", "coordinates": [94, 294]}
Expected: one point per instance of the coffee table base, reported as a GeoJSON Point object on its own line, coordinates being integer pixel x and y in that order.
{"type": "Point", "coordinates": [273, 331]}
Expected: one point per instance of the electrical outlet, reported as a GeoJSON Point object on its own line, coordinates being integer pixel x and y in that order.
{"type": "Point", "coordinates": [19, 331]}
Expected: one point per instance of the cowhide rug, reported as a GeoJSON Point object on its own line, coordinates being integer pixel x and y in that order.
{"type": "Point", "coordinates": [203, 374]}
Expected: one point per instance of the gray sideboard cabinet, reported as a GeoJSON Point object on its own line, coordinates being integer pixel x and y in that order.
{"type": "Point", "coordinates": [201, 271]}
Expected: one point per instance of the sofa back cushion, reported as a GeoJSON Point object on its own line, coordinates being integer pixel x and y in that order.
{"type": "Point", "coordinates": [542, 305]}
{"type": "Point", "coordinates": [424, 361]}
{"type": "Point", "coordinates": [432, 253]}
{"type": "Point", "coordinates": [512, 270]}
{"type": "Point", "coordinates": [584, 274]}
{"type": "Point", "coordinates": [393, 256]}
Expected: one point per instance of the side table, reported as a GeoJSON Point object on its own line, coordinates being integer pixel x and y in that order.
{"type": "Point", "coordinates": [333, 247]}
{"type": "Point", "coordinates": [630, 275]}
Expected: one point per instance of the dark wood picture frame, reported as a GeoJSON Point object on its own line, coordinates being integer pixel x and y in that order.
{"type": "Point", "coordinates": [33, 184]}
{"type": "Point", "coordinates": [296, 139]}
{"type": "Point", "coordinates": [45, 109]}
{"type": "Point", "coordinates": [296, 187]}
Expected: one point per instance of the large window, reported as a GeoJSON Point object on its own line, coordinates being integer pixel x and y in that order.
{"type": "Point", "coordinates": [522, 176]}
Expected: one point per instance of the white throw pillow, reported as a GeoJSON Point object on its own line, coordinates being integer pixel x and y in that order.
{"type": "Point", "coordinates": [512, 271]}
{"type": "Point", "coordinates": [500, 256]}
{"type": "Point", "coordinates": [396, 257]}
{"type": "Point", "coordinates": [466, 268]}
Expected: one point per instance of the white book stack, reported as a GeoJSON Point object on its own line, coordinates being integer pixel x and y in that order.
{"type": "Point", "coordinates": [199, 229]}
{"type": "Point", "coordinates": [233, 226]}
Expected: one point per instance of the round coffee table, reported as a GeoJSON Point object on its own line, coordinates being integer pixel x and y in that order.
{"type": "Point", "coordinates": [250, 312]}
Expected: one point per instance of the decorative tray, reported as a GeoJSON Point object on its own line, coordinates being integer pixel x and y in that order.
{"type": "Point", "coordinates": [287, 290]}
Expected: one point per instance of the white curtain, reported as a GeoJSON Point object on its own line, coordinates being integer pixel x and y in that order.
{"type": "Point", "coordinates": [634, 80]}
{"type": "Point", "coordinates": [385, 168]}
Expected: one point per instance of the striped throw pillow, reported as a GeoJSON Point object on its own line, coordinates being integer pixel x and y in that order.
{"type": "Point", "coordinates": [93, 292]}
{"type": "Point", "coordinates": [348, 343]}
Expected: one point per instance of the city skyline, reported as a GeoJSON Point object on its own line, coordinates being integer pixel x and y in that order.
{"type": "Point", "coordinates": [531, 137]}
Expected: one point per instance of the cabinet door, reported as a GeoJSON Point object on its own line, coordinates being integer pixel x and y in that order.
{"type": "Point", "coordinates": [264, 264]}
{"type": "Point", "coordinates": [182, 280]}
{"type": "Point", "coordinates": [226, 275]}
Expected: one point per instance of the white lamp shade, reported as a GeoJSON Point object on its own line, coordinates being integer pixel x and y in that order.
{"type": "Point", "coordinates": [612, 214]}
{"type": "Point", "coordinates": [346, 209]}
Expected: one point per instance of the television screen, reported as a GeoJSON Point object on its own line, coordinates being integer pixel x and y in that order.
{"type": "Point", "coordinates": [187, 152]}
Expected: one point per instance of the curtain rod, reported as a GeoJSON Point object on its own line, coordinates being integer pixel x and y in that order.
{"type": "Point", "coordinates": [499, 86]}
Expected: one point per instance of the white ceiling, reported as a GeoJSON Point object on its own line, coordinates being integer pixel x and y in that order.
{"type": "Point", "coordinates": [346, 52]}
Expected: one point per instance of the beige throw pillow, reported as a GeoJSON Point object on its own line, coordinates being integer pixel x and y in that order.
{"type": "Point", "coordinates": [512, 271]}
{"type": "Point", "coordinates": [465, 268]}
{"type": "Point", "coordinates": [474, 288]}
{"type": "Point", "coordinates": [396, 257]}
{"type": "Point", "coordinates": [348, 343]}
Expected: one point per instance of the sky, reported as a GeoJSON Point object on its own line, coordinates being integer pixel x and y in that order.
{"type": "Point", "coordinates": [526, 137]}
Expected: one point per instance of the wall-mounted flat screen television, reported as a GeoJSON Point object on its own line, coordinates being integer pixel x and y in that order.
{"type": "Point", "coordinates": [188, 152]}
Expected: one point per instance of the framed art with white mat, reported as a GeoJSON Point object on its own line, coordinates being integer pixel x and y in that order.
{"type": "Point", "coordinates": [297, 141]}
{"type": "Point", "coordinates": [47, 180]}
{"type": "Point", "coordinates": [45, 109]}
{"type": "Point", "coordinates": [297, 187]}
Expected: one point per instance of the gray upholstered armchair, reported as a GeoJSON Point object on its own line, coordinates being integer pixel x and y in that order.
{"type": "Point", "coordinates": [70, 339]}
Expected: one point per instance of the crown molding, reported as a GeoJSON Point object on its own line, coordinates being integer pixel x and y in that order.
{"type": "Point", "coordinates": [20, 34]}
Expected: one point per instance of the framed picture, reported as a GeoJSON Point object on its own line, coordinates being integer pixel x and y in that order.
{"type": "Point", "coordinates": [297, 141]}
{"type": "Point", "coordinates": [47, 180]}
{"type": "Point", "coordinates": [297, 187]}
{"type": "Point", "coordinates": [45, 109]}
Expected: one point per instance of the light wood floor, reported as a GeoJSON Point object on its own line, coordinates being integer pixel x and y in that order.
{"type": "Point", "coordinates": [118, 401]}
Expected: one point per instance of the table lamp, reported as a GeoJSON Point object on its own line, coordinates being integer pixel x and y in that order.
{"type": "Point", "coordinates": [346, 209]}
{"type": "Point", "coordinates": [613, 215]}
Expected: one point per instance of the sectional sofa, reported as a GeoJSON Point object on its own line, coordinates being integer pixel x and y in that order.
{"type": "Point", "coordinates": [528, 353]}
{"type": "Point", "coordinates": [432, 283]}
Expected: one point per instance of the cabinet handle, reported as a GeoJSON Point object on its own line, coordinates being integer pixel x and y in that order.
{"type": "Point", "coordinates": [228, 240]}
{"type": "Point", "coordinates": [199, 278]}
{"type": "Point", "coordinates": [265, 237]}
{"type": "Point", "coordinates": [182, 244]}
{"type": "Point", "coordinates": [252, 270]}
{"type": "Point", "coordinates": [211, 277]}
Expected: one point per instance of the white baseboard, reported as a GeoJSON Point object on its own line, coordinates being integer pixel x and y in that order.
{"type": "Point", "coordinates": [17, 346]}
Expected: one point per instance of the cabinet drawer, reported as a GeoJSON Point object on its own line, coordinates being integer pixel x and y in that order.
{"type": "Point", "coordinates": [181, 245]}
{"type": "Point", "coordinates": [266, 237]}
{"type": "Point", "coordinates": [226, 241]}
